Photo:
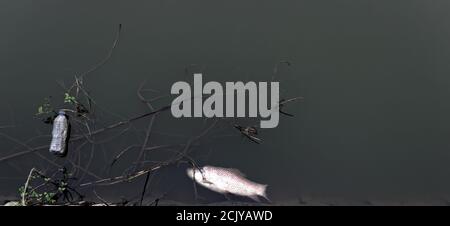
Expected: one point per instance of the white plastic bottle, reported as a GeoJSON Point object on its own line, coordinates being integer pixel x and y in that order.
{"type": "Point", "coordinates": [60, 134]}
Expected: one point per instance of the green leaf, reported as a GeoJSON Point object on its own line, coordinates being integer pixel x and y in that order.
{"type": "Point", "coordinates": [69, 99]}
{"type": "Point", "coordinates": [40, 110]}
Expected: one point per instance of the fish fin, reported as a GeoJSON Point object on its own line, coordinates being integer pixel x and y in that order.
{"type": "Point", "coordinates": [236, 171]}
{"type": "Point", "coordinates": [264, 193]}
{"type": "Point", "coordinates": [206, 181]}
{"type": "Point", "coordinates": [227, 196]}
{"type": "Point", "coordinates": [255, 198]}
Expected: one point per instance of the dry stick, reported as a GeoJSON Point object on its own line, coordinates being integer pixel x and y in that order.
{"type": "Point", "coordinates": [145, 187]}
{"type": "Point", "coordinates": [113, 137]}
{"type": "Point", "coordinates": [147, 138]}
{"type": "Point", "coordinates": [100, 198]}
{"type": "Point", "coordinates": [170, 134]}
{"type": "Point", "coordinates": [24, 192]}
{"type": "Point", "coordinates": [48, 160]}
{"type": "Point", "coordinates": [32, 139]}
{"type": "Point", "coordinates": [128, 121]}
{"type": "Point", "coordinates": [118, 156]}
{"type": "Point", "coordinates": [84, 170]}
{"type": "Point", "coordinates": [26, 146]}
{"type": "Point", "coordinates": [121, 178]}
{"type": "Point", "coordinates": [101, 63]}
{"type": "Point", "coordinates": [115, 159]}
{"type": "Point", "coordinates": [150, 125]}
{"type": "Point", "coordinates": [158, 199]}
{"type": "Point", "coordinates": [96, 132]}
{"type": "Point", "coordinates": [105, 159]}
{"type": "Point", "coordinates": [157, 98]}
{"type": "Point", "coordinates": [24, 143]}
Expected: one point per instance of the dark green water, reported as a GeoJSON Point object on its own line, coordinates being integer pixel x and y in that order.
{"type": "Point", "coordinates": [375, 76]}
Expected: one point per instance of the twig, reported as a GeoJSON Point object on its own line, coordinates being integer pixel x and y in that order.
{"type": "Point", "coordinates": [24, 192]}
{"type": "Point", "coordinates": [156, 201]}
{"type": "Point", "coordinates": [108, 56]}
{"type": "Point", "coordinates": [115, 159]}
{"type": "Point", "coordinates": [26, 146]}
{"type": "Point", "coordinates": [144, 188]}
{"type": "Point", "coordinates": [84, 170]}
{"type": "Point", "coordinates": [100, 198]}
{"type": "Point", "coordinates": [149, 129]}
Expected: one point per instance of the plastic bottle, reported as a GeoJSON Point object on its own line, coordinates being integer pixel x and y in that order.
{"type": "Point", "coordinates": [60, 134]}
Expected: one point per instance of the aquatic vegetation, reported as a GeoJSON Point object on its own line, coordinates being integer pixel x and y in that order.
{"type": "Point", "coordinates": [47, 191]}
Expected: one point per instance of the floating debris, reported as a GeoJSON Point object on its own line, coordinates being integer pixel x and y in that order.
{"type": "Point", "coordinates": [250, 132]}
{"type": "Point", "coordinates": [284, 101]}
{"type": "Point", "coordinates": [227, 181]}
{"type": "Point", "coordinates": [60, 134]}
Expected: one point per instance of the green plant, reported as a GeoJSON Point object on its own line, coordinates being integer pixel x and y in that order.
{"type": "Point", "coordinates": [70, 99]}
{"type": "Point", "coordinates": [33, 196]}
{"type": "Point", "coordinates": [42, 190]}
{"type": "Point", "coordinates": [45, 108]}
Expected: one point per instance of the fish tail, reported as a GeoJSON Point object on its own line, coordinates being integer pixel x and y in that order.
{"type": "Point", "coordinates": [263, 192]}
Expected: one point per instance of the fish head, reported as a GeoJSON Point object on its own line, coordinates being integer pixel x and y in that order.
{"type": "Point", "coordinates": [199, 175]}
{"type": "Point", "coordinates": [190, 172]}
{"type": "Point", "coordinates": [194, 173]}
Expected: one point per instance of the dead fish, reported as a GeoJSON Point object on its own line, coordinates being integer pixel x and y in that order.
{"type": "Point", "coordinates": [60, 134]}
{"type": "Point", "coordinates": [227, 181]}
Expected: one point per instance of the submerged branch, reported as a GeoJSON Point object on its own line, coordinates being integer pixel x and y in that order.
{"type": "Point", "coordinates": [108, 56]}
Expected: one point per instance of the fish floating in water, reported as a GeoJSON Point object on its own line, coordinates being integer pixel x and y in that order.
{"type": "Point", "coordinates": [60, 135]}
{"type": "Point", "coordinates": [227, 181]}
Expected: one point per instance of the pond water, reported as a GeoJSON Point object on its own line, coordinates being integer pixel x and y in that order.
{"type": "Point", "coordinates": [374, 75]}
